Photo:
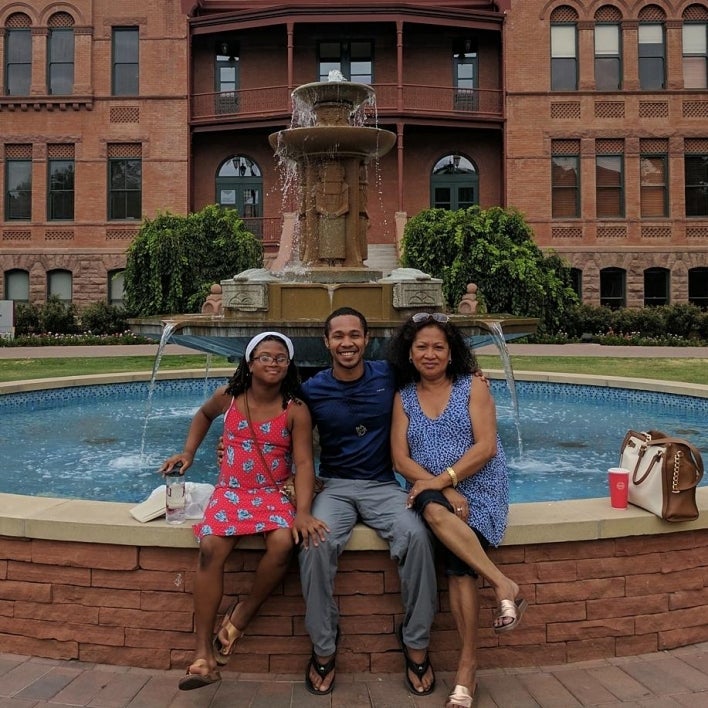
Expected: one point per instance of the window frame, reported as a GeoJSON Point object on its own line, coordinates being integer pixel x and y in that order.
{"type": "Point", "coordinates": [54, 194]}
{"type": "Point", "coordinates": [52, 63]}
{"type": "Point", "coordinates": [116, 191]}
{"type": "Point", "coordinates": [699, 299]}
{"type": "Point", "coordinates": [11, 163]}
{"type": "Point", "coordinates": [120, 68]}
{"type": "Point", "coordinates": [114, 277]}
{"type": "Point", "coordinates": [12, 67]}
{"type": "Point", "coordinates": [555, 187]}
{"type": "Point", "coordinates": [345, 60]}
{"type": "Point", "coordinates": [701, 184]}
{"type": "Point", "coordinates": [607, 58]}
{"type": "Point", "coordinates": [52, 289]}
{"type": "Point", "coordinates": [645, 187]}
{"type": "Point", "coordinates": [619, 188]}
{"type": "Point", "coordinates": [559, 80]}
{"type": "Point", "coordinates": [665, 287]}
{"type": "Point", "coordinates": [613, 301]}
{"type": "Point", "coordinates": [9, 276]}
{"type": "Point", "coordinates": [645, 57]}
{"type": "Point", "coordinates": [694, 57]}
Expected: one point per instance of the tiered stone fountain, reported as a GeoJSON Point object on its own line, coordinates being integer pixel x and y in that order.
{"type": "Point", "coordinates": [322, 268]}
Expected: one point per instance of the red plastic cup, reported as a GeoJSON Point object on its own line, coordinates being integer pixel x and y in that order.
{"type": "Point", "coordinates": [618, 479]}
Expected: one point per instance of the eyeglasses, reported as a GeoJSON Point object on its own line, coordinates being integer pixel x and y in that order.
{"type": "Point", "coordinates": [280, 360]}
{"type": "Point", "coordinates": [440, 317]}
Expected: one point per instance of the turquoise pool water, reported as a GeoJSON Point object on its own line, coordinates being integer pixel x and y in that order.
{"type": "Point", "coordinates": [106, 442]}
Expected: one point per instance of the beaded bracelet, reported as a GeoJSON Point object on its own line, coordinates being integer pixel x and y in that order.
{"type": "Point", "coordinates": [453, 476]}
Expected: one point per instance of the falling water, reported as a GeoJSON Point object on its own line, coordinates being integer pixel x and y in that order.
{"type": "Point", "coordinates": [168, 329]}
{"type": "Point", "coordinates": [207, 366]}
{"type": "Point", "coordinates": [497, 334]}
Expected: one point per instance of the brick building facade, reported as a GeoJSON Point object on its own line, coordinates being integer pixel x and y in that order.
{"type": "Point", "coordinates": [590, 117]}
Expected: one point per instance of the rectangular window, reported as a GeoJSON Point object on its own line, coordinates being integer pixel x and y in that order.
{"type": "Point", "coordinates": [613, 287]}
{"type": "Point", "coordinates": [125, 80]}
{"type": "Point", "coordinates": [695, 56]}
{"type": "Point", "coordinates": [565, 186]}
{"type": "Point", "coordinates": [18, 62]}
{"type": "Point", "coordinates": [61, 62]}
{"type": "Point", "coordinates": [125, 188]}
{"type": "Point", "coordinates": [564, 64]}
{"type": "Point", "coordinates": [651, 57]}
{"type": "Point", "coordinates": [696, 172]}
{"type": "Point", "coordinates": [61, 190]}
{"type": "Point", "coordinates": [608, 68]}
{"type": "Point", "coordinates": [18, 197]}
{"type": "Point", "coordinates": [465, 70]}
{"type": "Point", "coordinates": [609, 183]}
{"type": "Point", "coordinates": [59, 284]}
{"type": "Point", "coordinates": [656, 286]}
{"type": "Point", "coordinates": [353, 58]}
{"type": "Point", "coordinates": [654, 185]}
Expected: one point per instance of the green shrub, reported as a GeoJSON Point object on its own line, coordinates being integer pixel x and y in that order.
{"type": "Point", "coordinates": [102, 318]}
{"type": "Point", "coordinates": [58, 317]}
{"type": "Point", "coordinates": [26, 318]}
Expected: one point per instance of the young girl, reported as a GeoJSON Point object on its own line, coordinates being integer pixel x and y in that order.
{"type": "Point", "coordinates": [266, 430]}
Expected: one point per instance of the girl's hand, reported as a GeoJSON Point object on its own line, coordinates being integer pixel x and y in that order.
{"type": "Point", "coordinates": [184, 459]}
{"type": "Point", "coordinates": [309, 529]}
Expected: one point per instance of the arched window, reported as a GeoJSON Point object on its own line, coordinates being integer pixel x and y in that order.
{"type": "Point", "coordinates": [613, 291]}
{"type": "Point", "coordinates": [698, 287]}
{"type": "Point", "coordinates": [657, 286]}
{"type": "Point", "coordinates": [564, 49]}
{"type": "Point", "coordinates": [454, 183]}
{"type": "Point", "coordinates": [239, 185]}
{"type": "Point", "coordinates": [17, 285]}
{"type": "Point", "coordinates": [18, 55]}
{"type": "Point", "coordinates": [59, 284]}
{"type": "Point", "coordinates": [652, 48]}
{"type": "Point", "coordinates": [116, 287]}
{"type": "Point", "coordinates": [695, 47]}
{"type": "Point", "coordinates": [60, 54]}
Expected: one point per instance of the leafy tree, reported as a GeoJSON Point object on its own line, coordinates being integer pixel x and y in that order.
{"type": "Point", "coordinates": [174, 260]}
{"type": "Point", "coordinates": [493, 248]}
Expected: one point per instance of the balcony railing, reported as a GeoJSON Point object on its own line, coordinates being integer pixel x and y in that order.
{"type": "Point", "coordinates": [274, 102]}
{"type": "Point", "coordinates": [268, 230]}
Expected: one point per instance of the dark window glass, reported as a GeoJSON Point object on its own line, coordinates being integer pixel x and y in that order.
{"type": "Point", "coordinates": [576, 281]}
{"type": "Point", "coordinates": [696, 168]}
{"type": "Point", "coordinates": [651, 57]}
{"type": "Point", "coordinates": [61, 62]}
{"type": "Point", "coordinates": [18, 62]}
{"type": "Point", "coordinates": [612, 287]}
{"type": "Point", "coordinates": [609, 182]}
{"type": "Point", "coordinates": [61, 190]}
{"type": "Point", "coordinates": [698, 287]}
{"type": "Point", "coordinates": [565, 187]}
{"type": "Point", "coordinates": [125, 189]}
{"type": "Point", "coordinates": [354, 59]}
{"type": "Point", "coordinates": [656, 286]}
{"type": "Point", "coordinates": [125, 61]}
{"type": "Point", "coordinates": [18, 197]}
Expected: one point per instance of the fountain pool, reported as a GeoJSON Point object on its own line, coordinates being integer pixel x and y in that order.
{"type": "Point", "coordinates": [106, 442]}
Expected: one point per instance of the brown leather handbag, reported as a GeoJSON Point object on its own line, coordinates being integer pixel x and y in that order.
{"type": "Point", "coordinates": [663, 474]}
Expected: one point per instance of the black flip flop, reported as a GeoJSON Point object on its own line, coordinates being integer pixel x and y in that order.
{"type": "Point", "coordinates": [418, 669]}
{"type": "Point", "coordinates": [323, 670]}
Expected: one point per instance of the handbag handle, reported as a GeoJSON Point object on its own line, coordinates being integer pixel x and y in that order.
{"type": "Point", "coordinates": [648, 441]}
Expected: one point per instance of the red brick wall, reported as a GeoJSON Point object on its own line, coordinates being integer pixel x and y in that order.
{"type": "Point", "coordinates": [133, 606]}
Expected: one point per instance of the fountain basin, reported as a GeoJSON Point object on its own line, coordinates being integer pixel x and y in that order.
{"type": "Point", "coordinates": [229, 336]}
{"type": "Point", "coordinates": [330, 141]}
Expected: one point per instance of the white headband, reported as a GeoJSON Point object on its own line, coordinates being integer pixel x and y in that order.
{"type": "Point", "coordinates": [260, 337]}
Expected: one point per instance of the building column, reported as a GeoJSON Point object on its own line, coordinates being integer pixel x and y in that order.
{"type": "Point", "coordinates": [586, 56]}
{"type": "Point", "coordinates": [674, 54]}
{"type": "Point", "coordinates": [3, 44]}
{"type": "Point", "coordinates": [38, 84]}
{"type": "Point", "coordinates": [630, 55]}
{"type": "Point", "coordinates": [83, 70]}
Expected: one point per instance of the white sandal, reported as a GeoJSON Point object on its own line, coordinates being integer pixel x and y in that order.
{"type": "Point", "coordinates": [513, 609]}
{"type": "Point", "coordinates": [460, 697]}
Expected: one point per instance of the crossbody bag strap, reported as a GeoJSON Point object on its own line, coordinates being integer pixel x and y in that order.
{"type": "Point", "coordinates": [255, 440]}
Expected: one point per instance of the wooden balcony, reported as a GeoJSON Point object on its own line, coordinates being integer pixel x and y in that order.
{"type": "Point", "coordinates": [407, 101]}
{"type": "Point", "coordinates": [268, 230]}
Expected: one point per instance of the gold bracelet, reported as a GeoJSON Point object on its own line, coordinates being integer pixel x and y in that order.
{"type": "Point", "coordinates": [453, 476]}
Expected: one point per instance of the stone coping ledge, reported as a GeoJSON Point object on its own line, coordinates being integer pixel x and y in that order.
{"type": "Point", "coordinates": [529, 523]}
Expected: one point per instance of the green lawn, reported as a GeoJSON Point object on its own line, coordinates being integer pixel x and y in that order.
{"type": "Point", "coordinates": [686, 370]}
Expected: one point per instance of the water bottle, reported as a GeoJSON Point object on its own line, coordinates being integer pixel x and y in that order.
{"type": "Point", "coordinates": [175, 501]}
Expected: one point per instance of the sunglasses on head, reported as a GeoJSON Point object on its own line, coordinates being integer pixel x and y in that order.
{"type": "Point", "coordinates": [440, 317]}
